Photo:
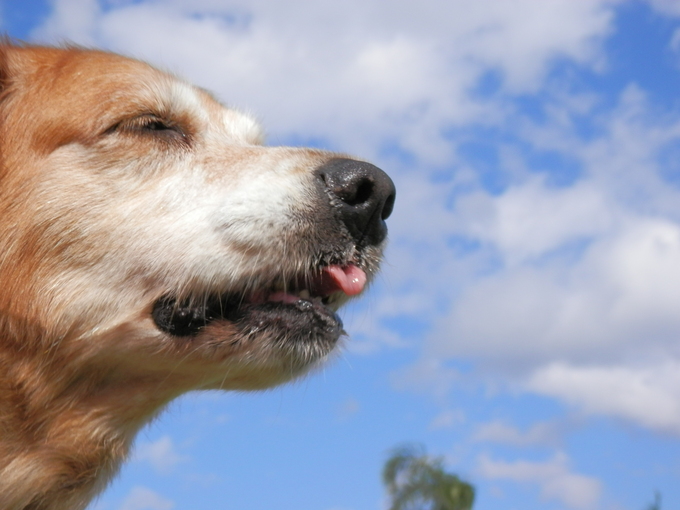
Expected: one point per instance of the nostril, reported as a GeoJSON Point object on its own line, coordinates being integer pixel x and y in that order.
{"type": "Point", "coordinates": [361, 194]}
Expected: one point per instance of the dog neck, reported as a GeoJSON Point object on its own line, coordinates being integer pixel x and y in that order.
{"type": "Point", "coordinates": [64, 433]}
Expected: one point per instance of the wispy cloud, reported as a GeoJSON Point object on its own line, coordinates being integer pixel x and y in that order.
{"type": "Point", "coordinates": [447, 419]}
{"type": "Point", "coordinates": [556, 480]}
{"type": "Point", "coordinates": [141, 498]}
{"type": "Point", "coordinates": [539, 434]}
{"type": "Point", "coordinates": [348, 408]}
{"type": "Point", "coordinates": [161, 454]}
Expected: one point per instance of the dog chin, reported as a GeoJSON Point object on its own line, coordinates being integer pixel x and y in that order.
{"type": "Point", "coordinates": [268, 345]}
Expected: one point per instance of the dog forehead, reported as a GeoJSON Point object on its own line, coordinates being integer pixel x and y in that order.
{"type": "Point", "coordinates": [79, 91]}
{"type": "Point", "coordinates": [95, 82]}
{"type": "Point", "coordinates": [73, 72]}
{"type": "Point", "coordinates": [98, 88]}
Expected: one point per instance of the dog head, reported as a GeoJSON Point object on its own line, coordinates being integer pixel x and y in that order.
{"type": "Point", "coordinates": [146, 232]}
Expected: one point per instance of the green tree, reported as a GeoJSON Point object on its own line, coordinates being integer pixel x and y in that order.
{"type": "Point", "coordinates": [416, 481]}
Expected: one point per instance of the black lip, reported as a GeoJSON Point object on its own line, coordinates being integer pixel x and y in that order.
{"type": "Point", "coordinates": [303, 319]}
{"type": "Point", "coordinates": [186, 318]}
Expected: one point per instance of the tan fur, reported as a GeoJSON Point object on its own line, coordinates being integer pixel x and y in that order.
{"type": "Point", "coordinates": [96, 223]}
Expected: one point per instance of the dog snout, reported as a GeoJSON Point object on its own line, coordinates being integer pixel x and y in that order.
{"type": "Point", "coordinates": [362, 194]}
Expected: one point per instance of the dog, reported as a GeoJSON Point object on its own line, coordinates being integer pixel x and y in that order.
{"type": "Point", "coordinates": [151, 245]}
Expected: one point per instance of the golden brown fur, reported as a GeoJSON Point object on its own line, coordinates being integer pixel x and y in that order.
{"type": "Point", "coordinates": [99, 218]}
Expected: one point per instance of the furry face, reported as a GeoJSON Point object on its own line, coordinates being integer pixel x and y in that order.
{"type": "Point", "coordinates": [151, 245]}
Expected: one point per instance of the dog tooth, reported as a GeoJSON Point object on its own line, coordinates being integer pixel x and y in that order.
{"type": "Point", "coordinates": [304, 294]}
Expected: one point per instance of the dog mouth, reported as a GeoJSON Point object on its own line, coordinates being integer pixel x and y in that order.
{"type": "Point", "coordinates": [303, 307]}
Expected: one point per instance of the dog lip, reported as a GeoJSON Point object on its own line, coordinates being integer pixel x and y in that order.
{"type": "Point", "coordinates": [301, 322]}
{"type": "Point", "coordinates": [185, 320]}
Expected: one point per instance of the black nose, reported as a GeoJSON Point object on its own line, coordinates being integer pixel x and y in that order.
{"type": "Point", "coordinates": [362, 194]}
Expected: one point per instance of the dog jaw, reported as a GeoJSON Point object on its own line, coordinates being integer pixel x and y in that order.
{"type": "Point", "coordinates": [122, 190]}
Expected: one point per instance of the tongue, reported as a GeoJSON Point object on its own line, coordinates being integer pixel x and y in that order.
{"type": "Point", "coordinates": [349, 279]}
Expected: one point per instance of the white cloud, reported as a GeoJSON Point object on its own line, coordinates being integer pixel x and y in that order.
{"type": "Point", "coordinates": [554, 477]}
{"type": "Point", "coordinates": [533, 219]}
{"type": "Point", "coordinates": [586, 275]}
{"type": "Point", "coordinates": [161, 454]}
{"type": "Point", "coordinates": [141, 498]}
{"type": "Point", "coordinates": [616, 302]}
{"type": "Point", "coordinates": [647, 395]}
{"type": "Point", "coordinates": [72, 20]}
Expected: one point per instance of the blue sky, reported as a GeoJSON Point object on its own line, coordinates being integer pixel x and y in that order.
{"type": "Point", "coordinates": [526, 323]}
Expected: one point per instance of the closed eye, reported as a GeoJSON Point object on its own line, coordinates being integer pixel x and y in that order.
{"type": "Point", "coordinates": [157, 125]}
{"type": "Point", "coordinates": [150, 125]}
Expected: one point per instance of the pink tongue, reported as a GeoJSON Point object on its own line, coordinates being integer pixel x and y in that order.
{"type": "Point", "coordinates": [350, 279]}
